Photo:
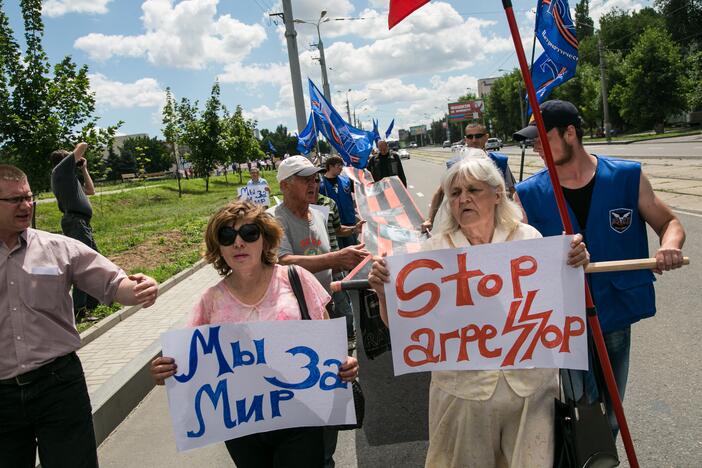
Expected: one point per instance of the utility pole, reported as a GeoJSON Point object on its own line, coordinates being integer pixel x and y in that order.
{"type": "Point", "coordinates": [323, 64]}
{"type": "Point", "coordinates": [293, 58]}
{"type": "Point", "coordinates": [348, 108]}
{"type": "Point", "coordinates": [603, 82]}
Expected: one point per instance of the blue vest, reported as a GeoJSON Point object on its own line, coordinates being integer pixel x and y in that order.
{"type": "Point", "coordinates": [501, 161]}
{"type": "Point", "coordinates": [614, 231]}
{"type": "Point", "coordinates": [342, 196]}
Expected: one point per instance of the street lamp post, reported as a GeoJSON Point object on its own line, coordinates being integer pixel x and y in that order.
{"type": "Point", "coordinates": [291, 38]}
{"type": "Point", "coordinates": [355, 122]}
{"type": "Point", "coordinates": [320, 48]}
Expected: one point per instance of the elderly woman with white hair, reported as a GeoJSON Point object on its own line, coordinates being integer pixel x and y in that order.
{"type": "Point", "coordinates": [485, 418]}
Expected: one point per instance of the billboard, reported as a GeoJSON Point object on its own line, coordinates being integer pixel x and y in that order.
{"type": "Point", "coordinates": [471, 110]}
{"type": "Point", "coordinates": [418, 130]}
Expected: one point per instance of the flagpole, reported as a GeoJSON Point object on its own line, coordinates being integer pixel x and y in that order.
{"type": "Point", "coordinates": [593, 322]}
{"type": "Point", "coordinates": [316, 135]}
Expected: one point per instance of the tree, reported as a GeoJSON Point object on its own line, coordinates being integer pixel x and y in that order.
{"type": "Point", "coordinates": [694, 81]}
{"type": "Point", "coordinates": [503, 107]}
{"type": "Point", "coordinates": [239, 140]}
{"type": "Point", "coordinates": [203, 133]}
{"type": "Point", "coordinates": [584, 26]}
{"type": "Point", "coordinates": [171, 132]}
{"type": "Point", "coordinates": [653, 88]}
{"type": "Point", "coordinates": [281, 140]}
{"type": "Point", "coordinates": [583, 90]}
{"type": "Point", "coordinates": [683, 19]}
{"type": "Point", "coordinates": [620, 30]}
{"type": "Point", "coordinates": [42, 107]}
{"type": "Point", "coordinates": [153, 152]}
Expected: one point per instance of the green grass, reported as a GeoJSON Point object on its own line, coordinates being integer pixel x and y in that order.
{"type": "Point", "coordinates": [158, 232]}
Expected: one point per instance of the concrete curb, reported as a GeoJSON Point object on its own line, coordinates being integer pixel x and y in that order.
{"type": "Point", "coordinates": [108, 323]}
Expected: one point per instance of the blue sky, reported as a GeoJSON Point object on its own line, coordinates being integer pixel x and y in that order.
{"type": "Point", "coordinates": [136, 48]}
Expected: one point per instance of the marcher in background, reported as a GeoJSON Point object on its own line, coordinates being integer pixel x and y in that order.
{"type": "Point", "coordinates": [386, 164]}
{"type": "Point", "coordinates": [339, 188]}
{"type": "Point", "coordinates": [257, 181]}
{"type": "Point", "coordinates": [612, 201]}
{"type": "Point", "coordinates": [476, 136]}
{"type": "Point", "coordinates": [242, 245]}
{"type": "Point", "coordinates": [77, 212]}
{"type": "Point", "coordinates": [485, 418]}
{"type": "Point", "coordinates": [44, 398]}
{"type": "Point", "coordinates": [305, 240]}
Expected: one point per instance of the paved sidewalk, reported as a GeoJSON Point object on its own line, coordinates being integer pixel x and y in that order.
{"type": "Point", "coordinates": [107, 355]}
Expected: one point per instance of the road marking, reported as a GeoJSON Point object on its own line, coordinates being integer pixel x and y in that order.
{"type": "Point", "coordinates": [420, 194]}
{"type": "Point", "coordinates": [410, 186]}
{"type": "Point", "coordinates": [688, 213]}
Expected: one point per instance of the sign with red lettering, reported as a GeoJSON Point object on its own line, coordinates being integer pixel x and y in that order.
{"type": "Point", "coordinates": [513, 305]}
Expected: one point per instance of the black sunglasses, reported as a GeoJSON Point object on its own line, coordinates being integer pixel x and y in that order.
{"type": "Point", "coordinates": [474, 136]}
{"type": "Point", "coordinates": [248, 232]}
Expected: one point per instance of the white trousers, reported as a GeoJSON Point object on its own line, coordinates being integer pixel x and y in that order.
{"type": "Point", "coordinates": [503, 431]}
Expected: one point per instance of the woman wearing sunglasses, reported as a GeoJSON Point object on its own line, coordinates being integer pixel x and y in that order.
{"type": "Point", "coordinates": [242, 245]}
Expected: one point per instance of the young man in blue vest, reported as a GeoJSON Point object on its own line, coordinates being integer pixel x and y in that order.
{"type": "Point", "coordinates": [339, 188]}
{"type": "Point", "coordinates": [476, 136]}
{"type": "Point", "coordinates": [610, 201]}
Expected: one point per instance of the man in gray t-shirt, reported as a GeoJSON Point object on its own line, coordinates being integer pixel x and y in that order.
{"type": "Point", "coordinates": [73, 202]}
{"type": "Point", "coordinates": [305, 241]}
{"type": "Point", "coordinates": [304, 237]}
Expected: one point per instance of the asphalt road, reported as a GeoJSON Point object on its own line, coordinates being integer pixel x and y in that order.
{"type": "Point", "coordinates": [663, 402]}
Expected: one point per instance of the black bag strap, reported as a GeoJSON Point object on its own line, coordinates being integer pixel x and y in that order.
{"type": "Point", "coordinates": [296, 286]}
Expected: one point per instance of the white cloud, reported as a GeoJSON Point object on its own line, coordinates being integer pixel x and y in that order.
{"type": "Point", "coordinates": [186, 35]}
{"type": "Point", "coordinates": [55, 8]}
{"type": "Point", "coordinates": [145, 92]}
{"type": "Point", "coordinates": [438, 40]}
{"type": "Point", "coordinates": [599, 7]}
{"type": "Point", "coordinates": [276, 73]}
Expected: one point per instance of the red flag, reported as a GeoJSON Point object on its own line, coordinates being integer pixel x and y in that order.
{"type": "Point", "coordinates": [400, 9]}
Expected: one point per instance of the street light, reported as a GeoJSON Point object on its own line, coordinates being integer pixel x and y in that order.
{"type": "Point", "coordinates": [320, 47]}
{"type": "Point", "coordinates": [348, 110]}
{"type": "Point", "coordinates": [355, 123]}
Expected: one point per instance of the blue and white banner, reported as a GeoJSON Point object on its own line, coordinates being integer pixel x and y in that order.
{"type": "Point", "coordinates": [307, 139]}
{"type": "Point", "coordinates": [352, 144]}
{"type": "Point", "coordinates": [556, 32]}
{"type": "Point", "coordinates": [239, 379]}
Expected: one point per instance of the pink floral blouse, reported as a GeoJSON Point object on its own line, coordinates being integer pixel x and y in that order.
{"type": "Point", "coordinates": [218, 304]}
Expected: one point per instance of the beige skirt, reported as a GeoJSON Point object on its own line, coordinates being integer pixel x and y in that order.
{"type": "Point", "coordinates": [504, 431]}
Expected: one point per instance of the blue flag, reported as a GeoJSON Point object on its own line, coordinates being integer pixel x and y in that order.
{"type": "Point", "coordinates": [353, 145]}
{"type": "Point", "coordinates": [376, 132]}
{"type": "Point", "coordinates": [556, 33]}
{"type": "Point", "coordinates": [307, 139]}
{"type": "Point", "coordinates": [270, 145]}
{"type": "Point", "coordinates": [389, 130]}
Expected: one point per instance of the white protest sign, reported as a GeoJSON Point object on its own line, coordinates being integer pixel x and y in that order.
{"type": "Point", "coordinates": [240, 379]}
{"type": "Point", "coordinates": [512, 305]}
{"type": "Point", "coordinates": [255, 194]}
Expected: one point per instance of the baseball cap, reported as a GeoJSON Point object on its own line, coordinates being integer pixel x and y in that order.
{"type": "Point", "coordinates": [556, 114]}
{"type": "Point", "coordinates": [297, 165]}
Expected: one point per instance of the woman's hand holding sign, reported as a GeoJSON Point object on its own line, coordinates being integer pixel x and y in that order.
{"type": "Point", "coordinates": [162, 368]}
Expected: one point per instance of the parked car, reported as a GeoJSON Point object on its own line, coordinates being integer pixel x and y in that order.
{"type": "Point", "coordinates": [493, 144]}
{"type": "Point", "coordinates": [457, 146]}
{"type": "Point", "coordinates": [413, 145]}
{"type": "Point", "coordinates": [446, 144]}
{"type": "Point", "coordinates": [403, 154]}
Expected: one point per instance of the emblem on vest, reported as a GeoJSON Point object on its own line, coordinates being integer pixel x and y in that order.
{"type": "Point", "coordinates": [620, 219]}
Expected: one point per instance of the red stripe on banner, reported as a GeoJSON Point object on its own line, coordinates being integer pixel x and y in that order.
{"type": "Point", "coordinates": [400, 9]}
{"type": "Point", "coordinates": [402, 220]}
{"type": "Point", "coordinates": [373, 204]}
{"type": "Point", "coordinates": [358, 268]}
